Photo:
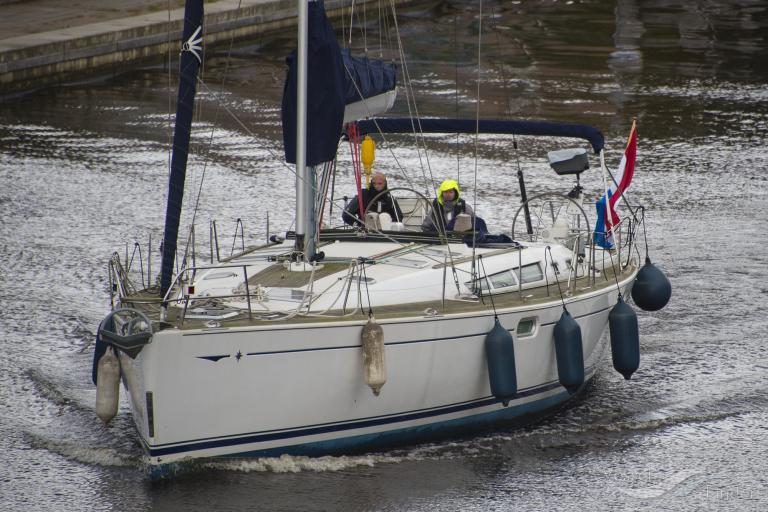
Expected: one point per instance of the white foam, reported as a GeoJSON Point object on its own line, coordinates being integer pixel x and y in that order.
{"type": "Point", "coordinates": [297, 464]}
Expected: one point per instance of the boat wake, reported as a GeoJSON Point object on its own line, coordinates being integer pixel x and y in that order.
{"type": "Point", "coordinates": [78, 451]}
{"type": "Point", "coordinates": [65, 426]}
{"type": "Point", "coordinates": [49, 389]}
{"type": "Point", "coordinates": [297, 464]}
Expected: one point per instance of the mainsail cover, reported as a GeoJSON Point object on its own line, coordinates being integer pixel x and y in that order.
{"type": "Point", "coordinates": [189, 64]}
{"type": "Point", "coordinates": [366, 77]}
{"type": "Point", "coordinates": [334, 79]}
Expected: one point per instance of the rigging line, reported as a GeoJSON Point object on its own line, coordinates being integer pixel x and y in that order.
{"type": "Point", "coordinates": [376, 123]}
{"type": "Point", "coordinates": [387, 28]}
{"type": "Point", "coordinates": [392, 152]}
{"type": "Point", "coordinates": [362, 24]}
{"type": "Point", "coordinates": [443, 235]}
{"type": "Point", "coordinates": [623, 194]}
{"type": "Point", "coordinates": [607, 212]}
{"type": "Point", "coordinates": [408, 94]}
{"type": "Point", "coordinates": [409, 87]}
{"type": "Point", "coordinates": [271, 152]}
{"type": "Point", "coordinates": [364, 28]}
{"type": "Point", "coordinates": [307, 295]}
{"type": "Point", "coordinates": [351, 15]}
{"type": "Point", "coordinates": [645, 232]}
{"type": "Point", "coordinates": [487, 285]}
{"type": "Point", "coordinates": [381, 47]}
{"type": "Point", "coordinates": [552, 261]}
{"type": "Point", "coordinates": [456, 81]}
{"type": "Point", "coordinates": [613, 267]}
{"type": "Point", "coordinates": [507, 98]}
{"type": "Point", "coordinates": [342, 281]}
{"type": "Point", "coordinates": [613, 179]}
{"type": "Point", "coordinates": [216, 114]}
{"type": "Point", "coordinates": [367, 292]}
{"type": "Point", "coordinates": [170, 103]}
{"type": "Point", "coordinates": [333, 188]}
{"type": "Point", "coordinates": [343, 25]}
{"type": "Point", "coordinates": [249, 132]}
{"type": "Point", "coordinates": [201, 152]}
{"type": "Point", "coordinates": [477, 132]}
{"type": "Point", "coordinates": [321, 197]}
{"type": "Point", "coordinates": [499, 46]}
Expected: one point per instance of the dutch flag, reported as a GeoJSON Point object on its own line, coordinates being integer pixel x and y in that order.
{"type": "Point", "coordinates": [606, 213]}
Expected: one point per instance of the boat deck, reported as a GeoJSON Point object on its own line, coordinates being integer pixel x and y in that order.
{"type": "Point", "coordinates": [148, 301]}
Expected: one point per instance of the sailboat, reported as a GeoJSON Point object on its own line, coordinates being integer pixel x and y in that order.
{"type": "Point", "coordinates": [340, 340]}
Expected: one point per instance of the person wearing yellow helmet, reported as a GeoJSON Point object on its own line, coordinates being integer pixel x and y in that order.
{"type": "Point", "coordinates": [446, 207]}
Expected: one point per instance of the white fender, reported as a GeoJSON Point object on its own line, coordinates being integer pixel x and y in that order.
{"type": "Point", "coordinates": [374, 362]}
{"type": "Point", "coordinates": [107, 386]}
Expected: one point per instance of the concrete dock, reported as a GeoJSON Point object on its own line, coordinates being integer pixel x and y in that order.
{"type": "Point", "coordinates": [49, 41]}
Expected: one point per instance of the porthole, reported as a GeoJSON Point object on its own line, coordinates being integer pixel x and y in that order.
{"type": "Point", "coordinates": [526, 327]}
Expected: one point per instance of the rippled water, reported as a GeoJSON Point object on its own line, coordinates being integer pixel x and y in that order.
{"type": "Point", "coordinates": [83, 170]}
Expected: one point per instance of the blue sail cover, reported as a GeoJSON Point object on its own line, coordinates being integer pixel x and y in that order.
{"type": "Point", "coordinates": [189, 63]}
{"type": "Point", "coordinates": [325, 92]}
{"type": "Point", "coordinates": [334, 79]}
{"type": "Point", "coordinates": [366, 77]}
{"type": "Point", "coordinates": [541, 128]}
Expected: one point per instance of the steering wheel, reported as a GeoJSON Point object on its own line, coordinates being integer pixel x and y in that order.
{"type": "Point", "coordinates": [546, 209]}
{"type": "Point", "coordinates": [406, 218]}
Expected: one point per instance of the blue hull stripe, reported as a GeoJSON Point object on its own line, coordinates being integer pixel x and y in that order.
{"type": "Point", "coordinates": [510, 412]}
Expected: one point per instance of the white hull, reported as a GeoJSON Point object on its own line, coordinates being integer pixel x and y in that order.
{"type": "Point", "coordinates": [300, 388]}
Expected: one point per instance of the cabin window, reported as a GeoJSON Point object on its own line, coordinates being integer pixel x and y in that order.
{"type": "Point", "coordinates": [503, 279]}
{"type": "Point", "coordinates": [507, 278]}
{"type": "Point", "coordinates": [526, 327]}
{"type": "Point", "coordinates": [498, 280]}
{"type": "Point", "coordinates": [530, 273]}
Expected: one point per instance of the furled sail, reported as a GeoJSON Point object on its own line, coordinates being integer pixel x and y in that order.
{"type": "Point", "coordinates": [189, 64]}
{"type": "Point", "coordinates": [340, 89]}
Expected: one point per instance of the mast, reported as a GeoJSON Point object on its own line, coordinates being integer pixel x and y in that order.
{"type": "Point", "coordinates": [312, 112]}
{"type": "Point", "coordinates": [303, 190]}
{"type": "Point", "coordinates": [189, 64]}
